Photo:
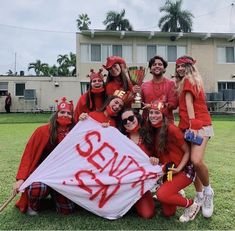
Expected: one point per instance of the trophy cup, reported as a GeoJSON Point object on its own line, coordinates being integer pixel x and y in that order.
{"type": "Point", "coordinates": [137, 75]}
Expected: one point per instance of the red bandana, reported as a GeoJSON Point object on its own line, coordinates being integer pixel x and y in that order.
{"type": "Point", "coordinates": [64, 121]}
{"type": "Point", "coordinates": [110, 111]}
{"type": "Point", "coordinates": [185, 60]}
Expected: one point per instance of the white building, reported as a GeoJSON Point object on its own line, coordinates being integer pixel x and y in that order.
{"type": "Point", "coordinates": [215, 55]}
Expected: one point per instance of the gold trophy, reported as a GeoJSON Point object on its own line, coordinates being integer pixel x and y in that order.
{"type": "Point", "coordinates": [137, 75]}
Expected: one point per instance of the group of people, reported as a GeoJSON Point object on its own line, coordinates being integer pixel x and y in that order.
{"type": "Point", "coordinates": [152, 128]}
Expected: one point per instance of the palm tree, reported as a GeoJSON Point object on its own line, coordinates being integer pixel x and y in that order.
{"type": "Point", "coordinates": [38, 67]}
{"type": "Point", "coordinates": [176, 19]}
{"type": "Point", "coordinates": [72, 63]}
{"type": "Point", "coordinates": [67, 64]}
{"type": "Point", "coordinates": [116, 21]}
{"type": "Point", "coordinates": [63, 60]}
{"type": "Point", "coordinates": [83, 22]}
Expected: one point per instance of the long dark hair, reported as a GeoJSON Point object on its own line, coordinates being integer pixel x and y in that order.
{"type": "Point", "coordinates": [160, 135]}
{"type": "Point", "coordinates": [144, 133]}
{"type": "Point", "coordinates": [90, 98]}
{"type": "Point", "coordinates": [123, 76]}
{"type": "Point", "coordinates": [53, 127]}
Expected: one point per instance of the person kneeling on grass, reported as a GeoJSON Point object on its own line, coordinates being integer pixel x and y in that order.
{"type": "Point", "coordinates": [43, 141]}
{"type": "Point", "coordinates": [171, 147]}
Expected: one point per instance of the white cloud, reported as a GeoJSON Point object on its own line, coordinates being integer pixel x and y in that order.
{"type": "Point", "coordinates": [61, 15]}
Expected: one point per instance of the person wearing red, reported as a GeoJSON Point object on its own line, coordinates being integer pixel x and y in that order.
{"type": "Point", "coordinates": [159, 88]}
{"type": "Point", "coordinates": [117, 75]}
{"type": "Point", "coordinates": [171, 148]}
{"type": "Point", "coordinates": [132, 126]}
{"type": "Point", "coordinates": [42, 142]}
{"type": "Point", "coordinates": [94, 98]}
{"type": "Point", "coordinates": [118, 78]}
{"type": "Point", "coordinates": [108, 114]}
{"type": "Point", "coordinates": [194, 116]}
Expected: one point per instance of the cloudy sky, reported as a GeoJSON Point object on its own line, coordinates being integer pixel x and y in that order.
{"type": "Point", "coordinates": [43, 29]}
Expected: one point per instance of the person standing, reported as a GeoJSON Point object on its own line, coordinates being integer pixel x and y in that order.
{"type": "Point", "coordinates": [194, 115]}
{"type": "Point", "coordinates": [42, 142]}
{"type": "Point", "coordinates": [94, 98]}
{"type": "Point", "coordinates": [8, 103]}
{"type": "Point", "coordinates": [159, 88]}
{"type": "Point", "coordinates": [118, 78]}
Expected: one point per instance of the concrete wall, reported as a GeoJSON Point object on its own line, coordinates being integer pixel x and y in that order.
{"type": "Point", "coordinates": [46, 92]}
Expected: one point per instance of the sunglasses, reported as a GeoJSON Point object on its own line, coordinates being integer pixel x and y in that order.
{"type": "Point", "coordinates": [130, 118]}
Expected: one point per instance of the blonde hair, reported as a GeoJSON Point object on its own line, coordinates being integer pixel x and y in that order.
{"type": "Point", "coordinates": [192, 74]}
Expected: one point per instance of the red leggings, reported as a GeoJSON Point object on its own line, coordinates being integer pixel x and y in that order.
{"type": "Point", "coordinates": [145, 206]}
{"type": "Point", "coordinates": [168, 194]}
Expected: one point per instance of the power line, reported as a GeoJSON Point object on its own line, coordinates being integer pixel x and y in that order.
{"type": "Point", "coordinates": [33, 29]}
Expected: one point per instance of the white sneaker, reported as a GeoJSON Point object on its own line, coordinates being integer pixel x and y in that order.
{"type": "Point", "coordinates": [208, 206]}
{"type": "Point", "coordinates": [182, 193]}
{"type": "Point", "coordinates": [31, 212]}
{"type": "Point", "coordinates": [199, 200]}
{"type": "Point", "coordinates": [190, 213]}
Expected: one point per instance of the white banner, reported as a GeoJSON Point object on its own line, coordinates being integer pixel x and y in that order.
{"type": "Point", "coordinates": [99, 169]}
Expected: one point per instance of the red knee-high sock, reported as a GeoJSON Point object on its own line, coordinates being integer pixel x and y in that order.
{"type": "Point", "coordinates": [168, 192]}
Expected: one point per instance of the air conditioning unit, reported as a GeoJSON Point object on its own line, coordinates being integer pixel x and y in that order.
{"type": "Point", "coordinates": [29, 94]}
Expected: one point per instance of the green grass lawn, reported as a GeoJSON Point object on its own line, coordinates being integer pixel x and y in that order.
{"type": "Point", "coordinates": [15, 129]}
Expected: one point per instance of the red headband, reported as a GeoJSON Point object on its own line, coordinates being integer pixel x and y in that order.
{"type": "Point", "coordinates": [64, 105]}
{"type": "Point", "coordinates": [185, 60]}
{"type": "Point", "coordinates": [94, 74]}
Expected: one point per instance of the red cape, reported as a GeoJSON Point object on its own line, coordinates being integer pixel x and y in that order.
{"type": "Point", "coordinates": [30, 159]}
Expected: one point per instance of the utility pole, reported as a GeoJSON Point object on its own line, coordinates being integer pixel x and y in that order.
{"type": "Point", "coordinates": [15, 65]}
{"type": "Point", "coordinates": [231, 15]}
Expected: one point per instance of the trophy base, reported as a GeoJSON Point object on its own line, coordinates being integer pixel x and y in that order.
{"type": "Point", "coordinates": [136, 105]}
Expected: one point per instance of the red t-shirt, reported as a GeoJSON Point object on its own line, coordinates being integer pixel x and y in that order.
{"type": "Point", "coordinates": [165, 91]}
{"type": "Point", "coordinates": [102, 118]}
{"type": "Point", "coordinates": [112, 86]}
{"type": "Point", "coordinates": [199, 104]}
{"type": "Point", "coordinates": [174, 146]}
{"type": "Point", "coordinates": [81, 106]}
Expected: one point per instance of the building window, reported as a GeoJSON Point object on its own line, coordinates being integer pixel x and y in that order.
{"type": "Point", "coordinates": [117, 50]}
{"type": "Point", "coordinates": [161, 51]}
{"type": "Point", "coordinates": [99, 52]}
{"type": "Point", "coordinates": [141, 54]}
{"type": "Point", "coordinates": [127, 53]}
{"type": "Point", "coordinates": [95, 53]}
{"type": "Point", "coordinates": [3, 88]}
{"type": "Point", "coordinates": [84, 87]}
{"type": "Point", "coordinates": [225, 54]}
{"type": "Point", "coordinates": [229, 54]}
{"type": "Point", "coordinates": [181, 50]}
{"type": "Point", "coordinates": [19, 89]}
{"type": "Point", "coordinates": [171, 53]}
{"type": "Point", "coordinates": [85, 53]}
{"type": "Point", "coordinates": [106, 52]}
{"type": "Point", "coordinates": [151, 51]}
{"type": "Point", "coordinates": [223, 85]}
